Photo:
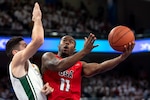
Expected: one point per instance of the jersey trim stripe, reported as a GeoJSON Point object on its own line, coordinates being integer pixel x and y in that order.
{"type": "Point", "coordinates": [28, 87]}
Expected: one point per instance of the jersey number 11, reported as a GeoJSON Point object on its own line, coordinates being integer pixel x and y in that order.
{"type": "Point", "coordinates": [64, 85]}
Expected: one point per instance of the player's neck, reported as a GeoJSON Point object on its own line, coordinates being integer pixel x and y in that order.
{"type": "Point", "coordinates": [62, 55]}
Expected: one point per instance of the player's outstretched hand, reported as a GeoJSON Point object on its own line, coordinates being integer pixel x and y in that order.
{"type": "Point", "coordinates": [36, 14]}
{"type": "Point", "coordinates": [128, 50]}
{"type": "Point", "coordinates": [47, 89]}
{"type": "Point", "coordinates": [88, 45]}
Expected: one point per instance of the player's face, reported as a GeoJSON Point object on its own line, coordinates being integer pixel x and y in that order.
{"type": "Point", "coordinates": [67, 46]}
{"type": "Point", "coordinates": [22, 45]}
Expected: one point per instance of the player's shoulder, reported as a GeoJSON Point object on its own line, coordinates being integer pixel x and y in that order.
{"type": "Point", "coordinates": [48, 54]}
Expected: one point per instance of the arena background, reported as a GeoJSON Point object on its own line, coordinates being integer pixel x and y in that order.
{"type": "Point", "coordinates": [128, 81]}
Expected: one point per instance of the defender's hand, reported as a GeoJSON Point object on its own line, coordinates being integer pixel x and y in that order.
{"type": "Point", "coordinates": [47, 89]}
{"type": "Point", "coordinates": [36, 14]}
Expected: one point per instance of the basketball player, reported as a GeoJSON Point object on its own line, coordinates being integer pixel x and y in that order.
{"type": "Point", "coordinates": [25, 76]}
{"type": "Point", "coordinates": [64, 71]}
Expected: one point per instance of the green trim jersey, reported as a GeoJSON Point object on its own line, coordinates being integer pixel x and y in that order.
{"type": "Point", "coordinates": [29, 86]}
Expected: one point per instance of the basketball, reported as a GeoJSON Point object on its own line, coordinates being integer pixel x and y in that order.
{"type": "Point", "coordinates": [120, 36]}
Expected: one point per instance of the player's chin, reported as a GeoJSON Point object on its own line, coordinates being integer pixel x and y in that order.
{"type": "Point", "coordinates": [65, 53]}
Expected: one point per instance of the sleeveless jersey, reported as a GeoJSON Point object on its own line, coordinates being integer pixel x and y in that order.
{"type": "Point", "coordinates": [29, 86]}
{"type": "Point", "coordinates": [66, 84]}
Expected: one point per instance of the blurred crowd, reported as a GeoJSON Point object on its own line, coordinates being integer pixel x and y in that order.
{"type": "Point", "coordinates": [99, 87]}
{"type": "Point", "coordinates": [16, 15]}
{"type": "Point", "coordinates": [15, 19]}
{"type": "Point", "coordinates": [115, 87]}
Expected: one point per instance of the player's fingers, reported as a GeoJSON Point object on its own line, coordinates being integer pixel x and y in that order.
{"type": "Point", "coordinates": [85, 38]}
{"type": "Point", "coordinates": [125, 48]}
{"type": "Point", "coordinates": [45, 86]}
{"type": "Point", "coordinates": [35, 7]}
{"type": "Point", "coordinates": [95, 45]}
{"type": "Point", "coordinates": [36, 4]}
{"type": "Point", "coordinates": [89, 35]}
{"type": "Point", "coordinates": [94, 38]}
{"type": "Point", "coordinates": [133, 44]}
{"type": "Point", "coordinates": [51, 90]}
{"type": "Point", "coordinates": [91, 38]}
{"type": "Point", "coordinates": [45, 92]}
{"type": "Point", "coordinates": [36, 12]}
{"type": "Point", "coordinates": [128, 46]}
{"type": "Point", "coordinates": [47, 89]}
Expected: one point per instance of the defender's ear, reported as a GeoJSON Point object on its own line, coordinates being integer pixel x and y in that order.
{"type": "Point", "coordinates": [14, 52]}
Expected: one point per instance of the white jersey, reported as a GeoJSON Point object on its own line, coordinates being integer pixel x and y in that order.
{"type": "Point", "coordinates": [29, 86]}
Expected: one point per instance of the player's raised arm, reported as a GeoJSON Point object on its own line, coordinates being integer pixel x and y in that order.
{"type": "Point", "coordinates": [90, 69]}
{"type": "Point", "coordinates": [37, 37]}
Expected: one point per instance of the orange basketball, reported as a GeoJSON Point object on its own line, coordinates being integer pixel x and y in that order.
{"type": "Point", "coordinates": [120, 36]}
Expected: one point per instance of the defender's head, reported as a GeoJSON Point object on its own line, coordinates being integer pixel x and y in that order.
{"type": "Point", "coordinates": [14, 45]}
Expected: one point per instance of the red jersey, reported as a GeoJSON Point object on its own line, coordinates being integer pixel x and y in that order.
{"type": "Point", "coordinates": [66, 84]}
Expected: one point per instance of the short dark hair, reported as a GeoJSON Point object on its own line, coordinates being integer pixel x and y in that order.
{"type": "Point", "coordinates": [11, 44]}
{"type": "Point", "coordinates": [71, 37]}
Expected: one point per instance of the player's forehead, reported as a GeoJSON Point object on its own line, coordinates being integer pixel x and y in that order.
{"type": "Point", "coordinates": [22, 42]}
{"type": "Point", "coordinates": [67, 37]}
